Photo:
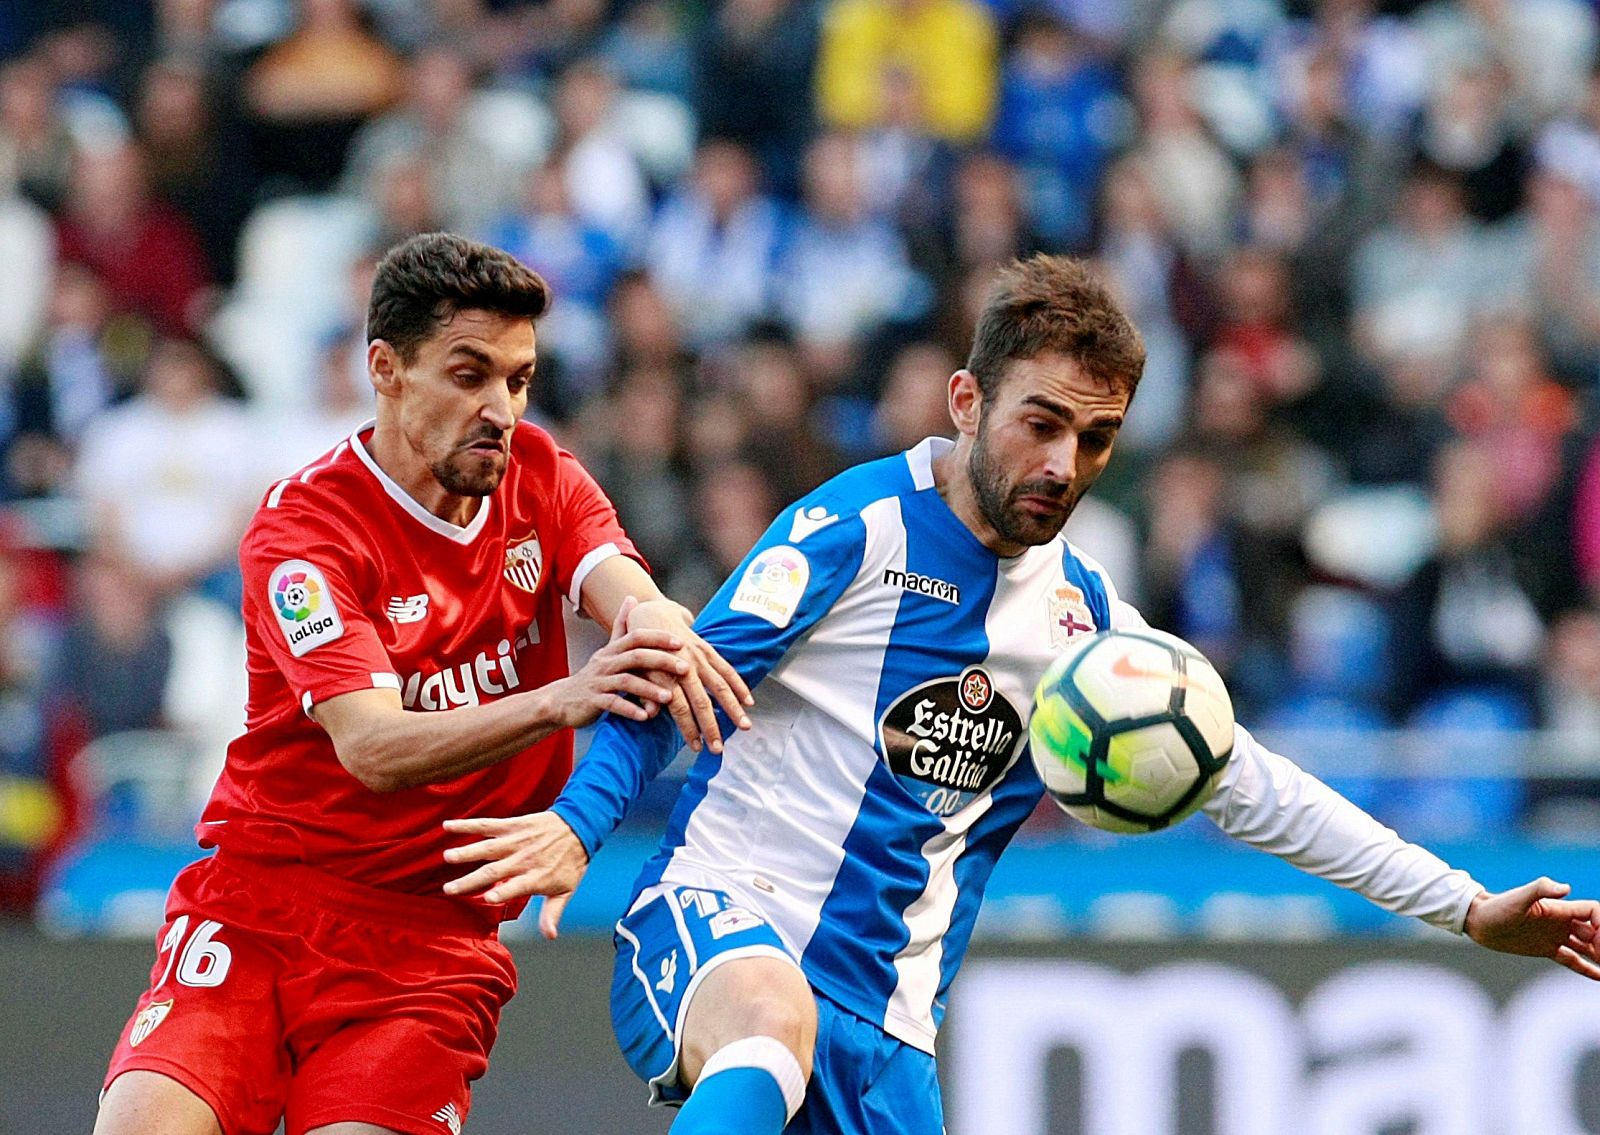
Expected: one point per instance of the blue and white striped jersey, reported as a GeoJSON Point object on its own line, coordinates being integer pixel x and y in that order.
{"type": "Point", "coordinates": [885, 772]}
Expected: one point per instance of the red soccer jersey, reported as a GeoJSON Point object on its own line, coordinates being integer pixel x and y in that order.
{"type": "Point", "coordinates": [349, 584]}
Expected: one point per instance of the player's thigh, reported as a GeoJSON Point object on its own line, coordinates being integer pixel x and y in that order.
{"type": "Point", "coordinates": [352, 1129]}
{"type": "Point", "coordinates": [139, 1102]}
{"type": "Point", "coordinates": [395, 1045]}
{"type": "Point", "coordinates": [671, 945]}
{"type": "Point", "coordinates": [749, 997]}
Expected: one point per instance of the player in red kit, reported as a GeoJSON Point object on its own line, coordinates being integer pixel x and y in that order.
{"type": "Point", "coordinates": [407, 664]}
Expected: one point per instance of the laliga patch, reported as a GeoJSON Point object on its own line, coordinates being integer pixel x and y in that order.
{"type": "Point", "coordinates": [772, 587]}
{"type": "Point", "coordinates": [300, 598]}
{"type": "Point", "coordinates": [147, 1020]}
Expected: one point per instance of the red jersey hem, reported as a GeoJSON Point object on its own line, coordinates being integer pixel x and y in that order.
{"type": "Point", "coordinates": [401, 1121]}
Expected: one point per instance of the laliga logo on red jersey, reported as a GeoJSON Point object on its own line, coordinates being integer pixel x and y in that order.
{"type": "Point", "coordinates": [467, 683]}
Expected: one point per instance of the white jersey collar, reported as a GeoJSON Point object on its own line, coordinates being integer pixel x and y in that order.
{"type": "Point", "coordinates": [404, 499]}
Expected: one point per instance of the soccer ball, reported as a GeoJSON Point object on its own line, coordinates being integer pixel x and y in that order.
{"type": "Point", "coordinates": [1130, 730]}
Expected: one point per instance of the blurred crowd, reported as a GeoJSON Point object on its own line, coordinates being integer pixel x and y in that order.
{"type": "Point", "coordinates": [1361, 238]}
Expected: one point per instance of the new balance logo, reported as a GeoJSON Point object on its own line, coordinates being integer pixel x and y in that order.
{"type": "Point", "coordinates": [408, 609]}
{"type": "Point", "coordinates": [450, 1117]}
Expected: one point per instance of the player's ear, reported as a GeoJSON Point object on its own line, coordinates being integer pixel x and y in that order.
{"type": "Point", "coordinates": [966, 401]}
{"type": "Point", "coordinates": [383, 367]}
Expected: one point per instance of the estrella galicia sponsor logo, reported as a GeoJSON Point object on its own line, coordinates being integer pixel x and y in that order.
{"type": "Point", "coordinates": [299, 594]}
{"type": "Point", "coordinates": [951, 739]}
{"type": "Point", "coordinates": [928, 585]}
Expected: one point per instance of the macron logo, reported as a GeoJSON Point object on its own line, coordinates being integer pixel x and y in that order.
{"type": "Point", "coordinates": [940, 589]}
{"type": "Point", "coordinates": [450, 1117]}
{"type": "Point", "coordinates": [810, 520]}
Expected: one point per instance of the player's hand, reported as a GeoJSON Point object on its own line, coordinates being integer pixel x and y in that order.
{"type": "Point", "coordinates": [643, 663]}
{"type": "Point", "coordinates": [536, 854]}
{"type": "Point", "coordinates": [1537, 920]}
{"type": "Point", "coordinates": [710, 681]}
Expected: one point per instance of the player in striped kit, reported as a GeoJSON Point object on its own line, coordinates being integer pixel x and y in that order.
{"type": "Point", "coordinates": [817, 886]}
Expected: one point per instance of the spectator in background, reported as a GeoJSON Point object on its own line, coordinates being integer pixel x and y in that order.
{"type": "Point", "coordinates": [196, 160]}
{"type": "Point", "coordinates": [310, 92]}
{"type": "Point", "coordinates": [1547, 262]}
{"type": "Point", "coordinates": [602, 176]}
{"type": "Point", "coordinates": [768, 379]}
{"type": "Point", "coordinates": [581, 260]}
{"type": "Point", "coordinates": [754, 66]}
{"type": "Point", "coordinates": [33, 785]}
{"type": "Point", "coordinates": [736, 504]}
{"type": "Point", "coordinates": [149, 256]}
{"type": "Point", "coordinates": [647, 49]}
{"type": "Point", "coordinates": [948, 48]}
{"type": "Point", "coordinates": [1511, 405]}
{"type": "Point", "coordinates": [1192, 178]}
{"type": "Point", "coordinates": [631, 443]}
{"type": "Point", "coordinates": [843, 272]}
{"type": "Point", "coordinates": [167, 479]}
{"type": "Point", "coordinates": [984, 223]}
{"type": "Point", "coordinates": [1465, 618]}
{"type": "Point", "coordinates": [1257, 327]}
{"type": "Point", "coordinates": [116, 654]}
{"type": "Point", "coordinates": [713, 246]}
{"type": "Point", "coordinates": [27, 249]}
{"type": "Point", "coordinates": [473, 174]}
{"type": "Point", "coordinates": [1416, 281]}
{"type": "Point", "coordinates": [35, 144]}
{"type": "Point", "coordinates": [1398, 429]}
{"type": "Point", "coordinates": [1467, 130]}
{"type": "Point", "coordinates": [80, 362]}
{"type": "Point", "coordinates": [1569, 687]}
{"type": "Point", "coordinates": [1159, 287]}
{"type": "Point", "coordinates": [1061, 117]}
{"type": "Point", "coordinates": [915, 398]}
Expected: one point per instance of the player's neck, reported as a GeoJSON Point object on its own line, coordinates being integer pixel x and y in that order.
{"type": "Point", "coordinates": [406, 468]}
{"type": "Point", "coordinates": [954, 484]}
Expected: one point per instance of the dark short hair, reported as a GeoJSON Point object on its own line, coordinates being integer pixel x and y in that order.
{"type": "Point", "coordinates": [1054, 303]}
{"type": "Point", "coordinates": [422, 282]}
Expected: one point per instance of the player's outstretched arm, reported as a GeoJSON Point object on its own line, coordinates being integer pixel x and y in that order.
{"type": "Point", "coordinates": [388, 749]}
{"type": "Point", "coordinates": [536, 854]}
{"type": "Point", "coordinates": [1537, 920]}
{"type": "Point", "coordinates": [710, 680]}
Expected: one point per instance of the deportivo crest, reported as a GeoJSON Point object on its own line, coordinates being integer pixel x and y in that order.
{"type": "Point", "coordinates": [951, 739]}
{"type": "Point", "coordinates": [145, 1023]}
{"type": "Point", "coordinates": [1069, 615]}
{"type": "Point", "coordinates": [525, 563]}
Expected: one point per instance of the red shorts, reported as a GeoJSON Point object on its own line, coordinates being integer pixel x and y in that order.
{"type": "Point", "coordinates": [284, 992]}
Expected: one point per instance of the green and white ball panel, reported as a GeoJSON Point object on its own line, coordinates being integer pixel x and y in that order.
{"type": "Point", "coordinates": [1149, 770]}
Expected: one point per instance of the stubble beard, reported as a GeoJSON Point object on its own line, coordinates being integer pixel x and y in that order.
{"type": "Point", "coordinates": [997, 500]}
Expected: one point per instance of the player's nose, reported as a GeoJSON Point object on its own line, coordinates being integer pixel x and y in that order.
{"type": "Point", "coordinates": [1061, 457]}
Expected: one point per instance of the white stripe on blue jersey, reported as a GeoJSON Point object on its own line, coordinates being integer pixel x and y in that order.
{"type": "Point", "coordinates": [863, 813]}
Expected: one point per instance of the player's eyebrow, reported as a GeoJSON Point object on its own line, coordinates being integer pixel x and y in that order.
{"type": "Point", "coordinates": [485, 360]}
{"type": "Point", "coordinates": [1061, 410]}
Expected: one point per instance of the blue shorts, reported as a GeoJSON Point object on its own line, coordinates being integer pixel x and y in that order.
{"type": "Point", "coordinates": [863, 1081]}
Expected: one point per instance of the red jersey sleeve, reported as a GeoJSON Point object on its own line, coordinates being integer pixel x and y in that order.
{"type": "Point", "coordinates": [302, 579]}
{"type": "Point", "coordinates": [587, 529]}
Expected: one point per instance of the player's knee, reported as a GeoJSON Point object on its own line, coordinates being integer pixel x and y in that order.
{"type": "Point", "coordinates": [790, 1020]}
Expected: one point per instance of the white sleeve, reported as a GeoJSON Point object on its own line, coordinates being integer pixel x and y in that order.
{"type": "Point", "coordinates": [1270, 803]}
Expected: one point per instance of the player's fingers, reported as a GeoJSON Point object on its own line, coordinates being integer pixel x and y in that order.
{"type": "Point", "coordinates": [705, 713]}
{"type": "Point", "coordinates": [486, 876]}
{"type": "Point", "coordinates": [717, 686]}
{"type": "Point", "coordinates": [622, 707]}
{"type": "Point", "coordinates": [1565, 910]}
{"type": "Point", "coordinates": [647, 658]}
{"type": "Point", "coordinates": [678, 707]}
{"type": "Point", "coordinates": [474, 852]}
{"type": "Point", "coordinates": [483, 825]}
{"type": "Point", "coordinates": [646, 638]}
{"type": "Point", "coordinates": [1577, 963]}
{"type": "Point", "coordinates": [550, 913]}
{"type": "Point", "coordinates": [619, 625]}
{"type": "Point", "coordinates": [641, 688]}
{"type": "Point", "coordinates": [730, 676]}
